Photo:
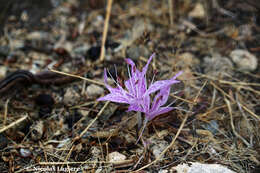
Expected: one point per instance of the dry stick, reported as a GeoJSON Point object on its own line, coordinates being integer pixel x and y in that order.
{"type": "Point", "coordinates": [171, 11]}
{"type": "Point", "coordinates": [245, 108]}
{"type": "Point", "coordinates": [227, 82]}
{"type": "Point", "coordinates": [84, 131]}
{"type": "Point", "coordinates": [104, 36]}
{"type": "Point", "coordinates": [182, 99]}
{"type": "Point", "coordinates": [232, 123]}
{"type": "Point", "coordinates": [13, 124]}
{"type": "Point", "coordinates": [175, 137]}
{"type": "Point", "coordinates": [100, 112]}
{"type": "Point", "coordinates": [87, 162]}
{"type": "Point", "coordinates": [6, 111]}
{"type": "Point", "coordinates": [80, 77]}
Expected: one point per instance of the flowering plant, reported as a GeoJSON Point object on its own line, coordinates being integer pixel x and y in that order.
{"type": "Point", "coordinates": [138, 95]}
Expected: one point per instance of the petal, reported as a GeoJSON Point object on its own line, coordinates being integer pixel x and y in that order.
{"type": "Point", "coordinates": [144, 70]}
{"type": "Point", "coordinates": [161, 98]}
{"type": "Point", "coordinates": [146, 103]}
{"type": "Point", "coordinates": [178, 74]}
{"type": "Point", "coordinates": [130, 62]}
{"type": "Point", "coordinates": [162, 83]}
{"type": "Point", "coordinates": [160, 111]}
{"type": "Point", "coordinates": [129, 87]}
{"type": "Point", "coordinates": [159, 85]}
{"type": "Point", "coordinates": [135, 107]}
{"type": "Point", "coordinates": [114, 98]}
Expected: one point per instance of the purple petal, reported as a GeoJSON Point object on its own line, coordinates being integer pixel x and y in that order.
{"type": "Point", "coordinates": [161, 98]}
{"type": "Point", "coordinates": [129, 87]}
{"type": "Point", "coordinates": [159, 85]}
{"type": "Point", "coordinates": [160, 111]}
{"type": "Point", "coordinates": [178, 74]}
{"type": "Point", "coordinates": [162, 84]}
{"type": "Point", "coordinates": [130, 62]}
{"type": "Point", "coordinates": [146, 103]}
{"type": "Point", "coordinates": [135, 107]}
{"type": "Point", "coordinates": [114, 98]}
{"type": "Point", "coordinates": [144, 70]}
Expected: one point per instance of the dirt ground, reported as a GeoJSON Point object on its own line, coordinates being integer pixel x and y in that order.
{"type": "Point", "coordinates": [52, 59]}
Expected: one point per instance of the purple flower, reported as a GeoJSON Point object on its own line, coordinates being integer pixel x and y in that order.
{"type": "Point", "coordinates": [135, 85]}
{"type": "Point", "coordinates": [152, 110]}
{"type": "Point", "coordinates": [137, 93]}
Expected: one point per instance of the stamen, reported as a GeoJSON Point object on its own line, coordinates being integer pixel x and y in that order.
{"type": "Point", "coordinates": [155, 72]}
{"type": "Point", "coordinates": [112, 77]}
{"type": "Point", "coordinates": [116, 72]}
{"type": "Point", "coordinates": [130, 78]}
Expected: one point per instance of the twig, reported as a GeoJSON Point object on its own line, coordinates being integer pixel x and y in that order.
{"type": "Point", "coordinates": [104, 36]}
{"type": "Point", "coordinates": [100, 112]}
{"type": "Point", "coordinates": [13, 124]}
{"type": "Point", "coordinates": [182, 99]}
{"type": "Point", "coordinates": [171, 11]}
{"type": "Point", "coordinates": [6, 111]}
{"type": "Point", "coordinates": [245, 108]}
{"type": "Point", "coordinates": [84, 131]}
{"type": "Point", "coordinates": [76, 76]}
{"type": "Point", "coordinates": [232, 123]}
{"type": "Point", "coordinates": [87, 162]}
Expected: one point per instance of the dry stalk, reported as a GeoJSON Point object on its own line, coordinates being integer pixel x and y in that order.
{"type": "Point", "coordinates": [80, 77]}
{"type": "Point", "coordinates": [84, 131]}
{"type": "Point", "coordinates": [232, 123]}
{"type": "Point", "coordinates": [98, 115]}
{"type": "Point", "coordinates": [13, 123]}
{"type": "Point", "coordinates": [87, 162]}
{"type": "Point", "coordinates": [171, 11]}
{"type": "Point", "coordinates": [104, 36]}
{"type": "Point", "coordinates": [6, 111]}
{"type": "Point", "coordinates": [231, 98]}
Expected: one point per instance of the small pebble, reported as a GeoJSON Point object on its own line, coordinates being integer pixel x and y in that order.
{"type": "Point", "coordinates": [244, 60]}
{"type": "Point", "coordinates": [217, 65]}
{"type": "Point", "coordinates": [116, 157]}
{"type": "Point", "coordinates": [3, 141]}
{"type": "Point", "coordinates": [196, 167]}
{"type": "Point", "coordinates": [93, 53]}
{"type": "Point", "coordinates": [44, 100]}
{"type": "Point", "coordinates": [25, 152]}
{"type": "Point", "coordinates": [95, 153]}
{"type": "Point", "coordinates": [3, 71]}
{"type": "Point", "coordinates": [37, 130]}
{"type": "Point", "coordinates": [198, 11]}
{"type": "Point", "coordinates": [71, 96]}
{"type": "Point", "coordinates": [135, 52]}
{"type": "Point", "coordinates": [94, 90]}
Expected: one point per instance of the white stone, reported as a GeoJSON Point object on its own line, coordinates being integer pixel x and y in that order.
{"type": "Point", "coordinates": [196, 167]}
{"type": "Point", "coordinates": [70, 96]}
{"type": "Point", "coordinates": [116, 157]}
{"type": "Point", "coordinates": [244, 60]}
{"type": "Point", "coordinates": [25, 152]}
{"type": "Point", "coordinates": [94, 90]}
{"type": "Point", "coordinates": [158, 147]}
{"type": "Point", "coordinates": [198, 11]}
{"type": "Point", "coordinates": [3, 71]}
